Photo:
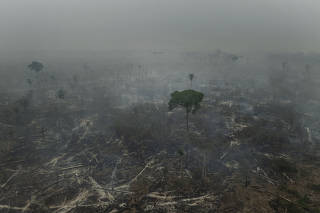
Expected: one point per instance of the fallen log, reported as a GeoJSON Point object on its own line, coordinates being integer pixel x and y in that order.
{"type": "Point", "coordinates": [10, 178]}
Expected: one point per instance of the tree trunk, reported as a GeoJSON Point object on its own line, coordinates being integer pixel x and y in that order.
{"type": "Point", "coordinates": [187, 117]}
{"type": "Point", "coordinates": [204, 165]}
{"type": "Point", "coordinates": [181, 172]}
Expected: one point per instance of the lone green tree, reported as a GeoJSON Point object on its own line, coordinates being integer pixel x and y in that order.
{"type": "Point", "coordinates": [35, 78]}
{"type": "Point", "coordinates": [188, 99]}
{"type": "Point", "coordinates": [36, 66]}
{"type": "Point", "coordinates": [307, 74]}
{"type": "Point", "coordinates": [61, 94]}
{"type": "Point", "coordinates": [191, 76]}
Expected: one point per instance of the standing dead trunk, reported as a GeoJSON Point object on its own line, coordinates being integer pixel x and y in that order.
{"type": "Point", "coordinates": [181, 171]}
{"type": "Point", "coordinates": [204, 165]}
{"type": "Point", "coordinates": [247, 182]}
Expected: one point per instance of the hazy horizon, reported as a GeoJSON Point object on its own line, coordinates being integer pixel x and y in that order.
{"type": "Point", "coordinates": [174, 25]}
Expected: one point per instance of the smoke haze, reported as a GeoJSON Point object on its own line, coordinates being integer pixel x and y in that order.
{"type": "Point", "coordinates": [96, 25]}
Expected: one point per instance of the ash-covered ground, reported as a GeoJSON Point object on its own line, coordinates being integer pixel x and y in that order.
{"type": "Point", "coordinates": [98, 136]}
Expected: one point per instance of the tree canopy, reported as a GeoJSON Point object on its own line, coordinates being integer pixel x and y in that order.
{"type": "Point", "coordinates": [191, 76]}
{"type": "Point", "coordinates": [36, 66]}
{"type": "Point", "coordinates": [189, 99]}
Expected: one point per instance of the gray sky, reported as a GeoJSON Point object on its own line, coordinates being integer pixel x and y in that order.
{"type": "Point", "coordinates": [232, 25]}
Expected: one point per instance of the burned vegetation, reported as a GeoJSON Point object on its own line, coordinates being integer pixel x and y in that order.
{"type": "Point", "coordinates": [108, 137]}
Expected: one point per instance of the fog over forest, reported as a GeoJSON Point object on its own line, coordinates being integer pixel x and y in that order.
{"type": "Point", "coordinates": [159, 106]}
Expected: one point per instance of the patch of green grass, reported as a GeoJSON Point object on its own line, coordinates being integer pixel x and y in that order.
{"type": "Point", "coordinates": [316, 210]}
{"type": "Point", "coordinates": [304, 201]}
{"type": "Point", "coordinates": [280, 205]}
{"type": "Point", "coordinates": [292, 192]}
{"type": "Point", "coordinates": [305, 173]}
{"type": "Point", "coordinates": [314, 187]}
{"type": "Point", "coordinates": [285, 166]}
